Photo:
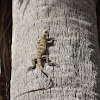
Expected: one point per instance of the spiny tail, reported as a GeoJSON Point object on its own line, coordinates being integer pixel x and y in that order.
{"type": "Point", "coordinates": [49, 79]}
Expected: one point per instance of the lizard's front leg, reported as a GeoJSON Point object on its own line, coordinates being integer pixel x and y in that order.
{"type": "Point", "coordinates": [50, 40]}
{"type": "Point", "coordinates": [34, 61]}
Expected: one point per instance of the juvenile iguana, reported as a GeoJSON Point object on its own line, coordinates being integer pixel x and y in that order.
{"type": "Point", "coordinates": [41, 49]}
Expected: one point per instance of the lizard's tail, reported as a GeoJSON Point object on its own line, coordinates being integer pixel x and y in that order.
{"type": "Point", "coordinates": [49, 78]}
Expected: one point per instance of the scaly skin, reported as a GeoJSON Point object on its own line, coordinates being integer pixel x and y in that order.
{"type": "Point", "coordinates": [40, 55]}
{"type": "Point", "coordinates": [40, 52]}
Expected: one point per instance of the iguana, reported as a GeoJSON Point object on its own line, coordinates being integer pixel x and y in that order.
{"type": "Point", "coordinates": [41, 49]}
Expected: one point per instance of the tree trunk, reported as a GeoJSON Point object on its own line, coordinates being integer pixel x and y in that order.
{"type": "Point", "coordinates": [76, 50]}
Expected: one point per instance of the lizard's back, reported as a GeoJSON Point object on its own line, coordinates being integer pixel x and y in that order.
{"type": "Point", "coordinates": [41, 47]}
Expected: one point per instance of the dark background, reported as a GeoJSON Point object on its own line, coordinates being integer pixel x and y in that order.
{"type": "Point", "coordinates": [5, 48]}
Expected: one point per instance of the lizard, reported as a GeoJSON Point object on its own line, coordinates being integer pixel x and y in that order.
{"type": "Point", "coordinates": [41, 49]}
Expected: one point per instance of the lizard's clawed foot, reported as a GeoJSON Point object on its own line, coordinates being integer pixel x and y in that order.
{"type": "Point", "coordinates": [31, 68]}
{"type": "Point", "coordinates": [53, 64]}
{"type": "Point", "coordinates": [34, 61]}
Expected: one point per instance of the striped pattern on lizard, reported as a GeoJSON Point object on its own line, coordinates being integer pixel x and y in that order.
{"type": "Point", "coordinates": [41, 49]}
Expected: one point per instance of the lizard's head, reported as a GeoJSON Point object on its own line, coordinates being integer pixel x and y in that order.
{"type": "Point", "coordinates": [46, 34]}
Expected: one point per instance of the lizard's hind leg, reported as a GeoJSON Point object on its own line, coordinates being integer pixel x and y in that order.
{"type": "Point", "coordinates": [50, 63]}
{"type": "Point", "coordinates": [34, 61]}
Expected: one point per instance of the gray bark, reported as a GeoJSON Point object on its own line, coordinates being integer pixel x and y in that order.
{"type": "Point", "coordinates": [73, 25]}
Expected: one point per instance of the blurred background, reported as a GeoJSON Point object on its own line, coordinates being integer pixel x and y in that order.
{"type": "Point", "coordinates": [5, 48]}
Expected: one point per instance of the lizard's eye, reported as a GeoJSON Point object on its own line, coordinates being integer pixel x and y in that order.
{"type": "Point", "coordinates": [46, 31]}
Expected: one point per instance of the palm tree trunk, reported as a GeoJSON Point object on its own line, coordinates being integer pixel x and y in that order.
{"type": "Point", "coordinates": [76, 50]}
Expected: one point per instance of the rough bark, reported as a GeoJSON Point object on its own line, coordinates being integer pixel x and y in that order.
{"type": "Point", "coordinates": [73, 25]}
